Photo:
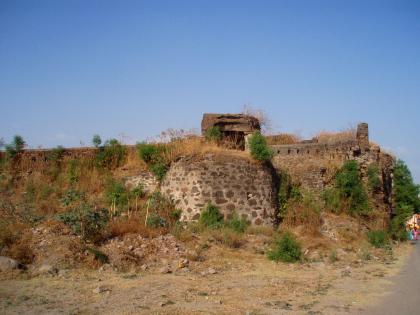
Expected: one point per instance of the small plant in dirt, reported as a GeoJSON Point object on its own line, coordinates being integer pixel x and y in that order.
{"type": "Point", "coordinates": [378, 239]}
{"type": "Point", "coordinates": [116, 195]}
{"type": "Point", "coordinates": [72, 172]}
{"type": "Point", "coordinates": [70, 196]}
{"type": "Point", "coordinates": [374, 182]}
{"type": "Point", "coordinates": [286, 249]}
{"type": "Point", "coordinates": [111, 155]}
{"type": "Point", "coordinates": [211, 217]}
{"type": "Point", "coordinates": [154, 220]}
{"type": "Point", "coordinates": [259, 148]}
{"type": "Point", "coordinates": [96, 141]}
{"type": "Point", "coordinates": [86, 221]}
{"type": "Point", "coordinates": [160, 211]}
{"type": "Point", "coordinates": [333, 257]}
{"type": "Point", "coordinates": [236, 224]}
{"type": "Point", "coordinates": [332, 199]}
{"type": "Point", "coordinates": [227, 237]}
{"type": "Point", "coordinates": [213, 134]}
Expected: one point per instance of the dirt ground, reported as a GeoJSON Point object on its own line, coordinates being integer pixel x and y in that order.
{"type": "Point", "coordinates": [228, 281]}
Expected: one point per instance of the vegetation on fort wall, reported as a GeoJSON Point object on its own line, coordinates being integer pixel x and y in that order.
{"type": "Point", "coordinates": [374, 182]}
{"type": "Point", "coordinates": [154, 156]}
{"type": "Point", "coordinates": [259, 148]}
{"type": "Point", "coordinates": [111, 155]}
{"type": "Point", "coordinates": [348, 193]}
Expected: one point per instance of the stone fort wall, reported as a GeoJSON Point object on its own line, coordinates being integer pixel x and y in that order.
{"type": "Point", "coordinates": [234, 184]}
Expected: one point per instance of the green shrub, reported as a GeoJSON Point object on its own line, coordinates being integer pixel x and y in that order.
{"type": "Point", "coordinates": [154, 156]}
{"type": "Point", "coordinates": [378, 239]}
{"type": "Point", "coordinates": [259, 148]}
{"type": "Point", "coordinates": [286, 249]}
{"type": "Point", "coordinates": [237, 224]}
{"type": "Point", "coordinates": [332, 199]}
{"type": "Point", "coordinates": [351, 188]}
{"type": "Point", "coordinates": [71, 195]}
{"type": "Point", "coordinates": [211, 217]}
{"type": "Point", "coordinates": [72, 172]}
{"type": "Point", "coordinates": [374, 182]}
{"type": "Point", "coordinates": [333, 257]}
{"type": "Point", "coordinates": [116, 194]}
{"type": "Point", "coordinates": [111, 155]}
{"type": "Point", "coordinates": [406, 199]}
{"type": "Point", "coordinates": [213, 134]}
{"type": "Point", "coordinates": [176, 214]}
{"type": "Point", "coordinates": [56, 154]}
{"type": "Point", "coordinates": [397, 229]}
{"type": "Point", "coordinates": [155, 221]}
{"type": "Point", "coordinates": [159, 169]}
{"type": "Point", "coordinates": [96, 141]}
{"type": "Point", "coordinates": [85, 221]}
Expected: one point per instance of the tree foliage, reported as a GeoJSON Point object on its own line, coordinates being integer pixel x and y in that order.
{"type": "Point", "coordinates": [259, 148]}
{"type": "Point", "coordinates": [406, 200]}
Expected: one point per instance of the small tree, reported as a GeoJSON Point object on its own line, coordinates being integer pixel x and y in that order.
{"type": "Point", "coordinates": [259, 148]}
{"type": "Point", "coordinates": [96, 141]}
{"type": "Point", "coordinates": [16, 146]}
{"type": "Point", "coordinates": [351, 188]}
{"type": "Point", "coordinates": [406, 199]}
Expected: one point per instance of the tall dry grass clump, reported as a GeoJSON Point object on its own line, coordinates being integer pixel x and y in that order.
{"type": "Point", "coordinates": [283, 138]}
{"type": "Point", "coordinates": [329, 137]}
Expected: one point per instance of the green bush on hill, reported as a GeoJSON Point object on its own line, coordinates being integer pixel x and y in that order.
{"type": "Point", "coordinates": [374, 182]}
{"type": "Point", "coordinates": [153, 156]}
{"type": "Point", "coordinates": [259, 148]}
{"type": "Point", "coordinates": [111, 155]}
{"type": "Point", "coordinates": [378, 239]}
{"type": "Point", "coordinates": [213, 134]}
{"type": "Point", "coordinates": [286, 249]}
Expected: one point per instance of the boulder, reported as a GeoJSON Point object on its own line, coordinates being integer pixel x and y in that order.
{"type": "Point", "coordinates": [8, 264]}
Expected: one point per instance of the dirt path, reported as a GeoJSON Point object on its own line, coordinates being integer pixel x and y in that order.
{"type": "Point", "coordinates": [401, 295]}
{"type": "Point", "coordinates": [243, 284]}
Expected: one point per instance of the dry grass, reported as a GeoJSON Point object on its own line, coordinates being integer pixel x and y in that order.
{"type": "Point", "coordinates": [283, 138]}
{"type": "Point", "coordinates": [305, 213]}
{"type": "Point", "coordinates": [22, 251]}
{"type": "Point", "coordinates": [260, 230]}
{"type": "Point", "coordinates": [120, 226]}
{"type": "Point", "coordinates": [196, 147]}
{"type": "Point", "coordinates": [329, 137]}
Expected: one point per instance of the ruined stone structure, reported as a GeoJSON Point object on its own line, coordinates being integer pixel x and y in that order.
{"type": "Point", "coordinates": [234, 184]}
{"type": "Point", "coordinates": [312, 165]}
{"type": "Point", "coordinates": [235, 128]}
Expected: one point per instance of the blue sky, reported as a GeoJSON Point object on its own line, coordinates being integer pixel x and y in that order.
{"type": "Point", "coordinates": [71, 69]}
